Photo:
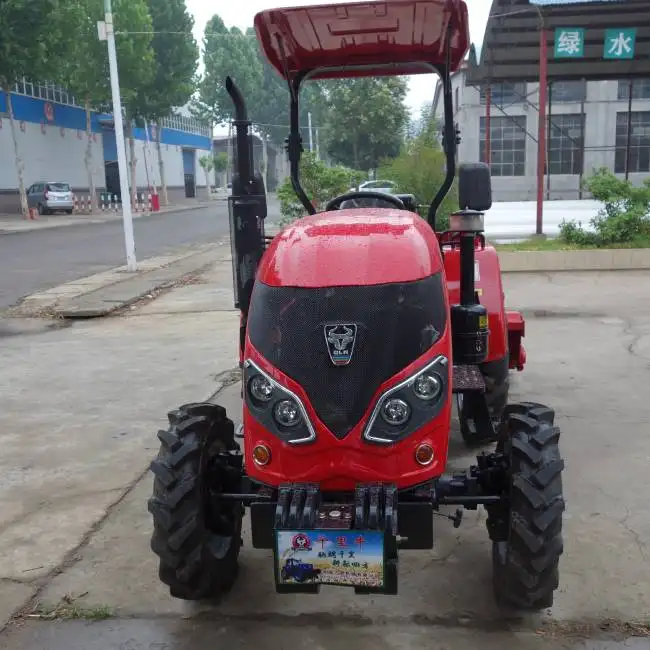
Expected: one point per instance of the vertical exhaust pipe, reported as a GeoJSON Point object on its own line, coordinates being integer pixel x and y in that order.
{"type": "Point", "coordinates": [244, 148]}
{"type": "Point", "coordinates": [247, 208]}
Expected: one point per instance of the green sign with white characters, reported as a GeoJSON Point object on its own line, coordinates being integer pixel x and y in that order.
{"type": "Point", "coordinates": [620, 43]}
{"type": "Point", "coordinates": [569, 43]}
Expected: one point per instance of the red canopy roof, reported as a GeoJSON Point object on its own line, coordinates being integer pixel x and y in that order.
{"type": "Point", "coordinates": [394, 37]}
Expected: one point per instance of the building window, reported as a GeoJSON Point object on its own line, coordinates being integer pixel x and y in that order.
{"type": "Point", "coordinates": [640, 89]}
{"type": "Point", "coordinates": [566, 144]}
{"type": "Point", "coordinates": [504, 94]}
{"type": "Point", "coordinates": [639, 142]}
{"type": "Point", "coordinates": [507, 145]}
{"type": "Point", "coordinates": [568, 91]}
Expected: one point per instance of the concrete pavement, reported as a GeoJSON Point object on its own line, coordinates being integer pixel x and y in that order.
{"type": "Point", "coordinates": [209, 633]}
{"type": "Point", "coordinates": [104, 293]}
{"type": "Point", "coordinates": [81, 406]}
{"type": "Point", "coordinates": [100, 387]}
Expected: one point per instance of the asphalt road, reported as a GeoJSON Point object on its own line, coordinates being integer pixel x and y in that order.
{"type": "Point", "coordinates": [41, 259]}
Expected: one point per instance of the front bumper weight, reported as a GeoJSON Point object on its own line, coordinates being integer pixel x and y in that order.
{"type": "Point", "coordinates": [301, 511]}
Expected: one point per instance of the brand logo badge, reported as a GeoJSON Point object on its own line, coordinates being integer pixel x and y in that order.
{"type": "Point", "coordinates": [301, 542]}
{"type": "Point", "coordinates": [340, 339]}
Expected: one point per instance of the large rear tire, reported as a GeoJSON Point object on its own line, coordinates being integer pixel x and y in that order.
{"type": "Point", "coordinates": [526, 530]}
{"type": "Point", "coordinates": [196, 537]}
{"type": "Point", "coordinates": [496, 375]}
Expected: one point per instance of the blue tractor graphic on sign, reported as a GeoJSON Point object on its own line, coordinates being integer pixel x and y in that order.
{"type": "Point", "coordinates": [299, 571]}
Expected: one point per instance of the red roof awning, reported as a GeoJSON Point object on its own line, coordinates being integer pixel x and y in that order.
{"type": "Point", "coordinates": [389, 37]}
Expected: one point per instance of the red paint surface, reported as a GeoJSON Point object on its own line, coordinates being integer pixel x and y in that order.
{"type": "Point", "coordinates": [541, 135]}
{"type": "Point", "coordinates": [516, 331]}
{"type": "Point", "coordinates": [352, 247]}
{"type": "Point", "coordinates": [341, 464]}
{"type": "Point", "coordinates": [390, 37]}
{"type": "Point", "coordinates": [361, 248]}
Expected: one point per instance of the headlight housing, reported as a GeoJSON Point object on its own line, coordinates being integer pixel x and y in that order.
{"type": "Point", "coordinates": [404, 408]}
{"type": "Point", "coordinates": [287, 413]}
{"type": "Point", "coordinates": [395, 411]}
{"type": "Point", "coordinates": [261, 389]}
{"type": "Point", "coordinates": [427, 386]}
{"type": "Point", "coordinates": [277, 408]}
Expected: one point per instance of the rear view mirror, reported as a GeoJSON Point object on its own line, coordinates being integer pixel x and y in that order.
{"type": "Point", "coordinates": [474, 187]}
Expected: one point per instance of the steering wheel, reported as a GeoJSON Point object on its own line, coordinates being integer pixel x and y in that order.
{"type": "Point", "coordinates": [364, 194]}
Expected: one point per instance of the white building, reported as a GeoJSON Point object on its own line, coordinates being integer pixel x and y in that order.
{"type": "Point", "coordinates": [586, 128]}
{"type": "Point", "coordinates": [51, 130]}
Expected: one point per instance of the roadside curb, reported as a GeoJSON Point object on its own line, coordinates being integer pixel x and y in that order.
{"type": "Point", "coordinates": [623, 259]}
{"type": "Point", "coordinates": [96, 218]}
{"type": "Point", "coordinates": [107, 292]}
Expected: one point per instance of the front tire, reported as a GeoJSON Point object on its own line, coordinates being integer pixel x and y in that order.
{"type": "Point", "coordinates": [196, 537]}
{"type": "Point", "coordinates": [527, 532]}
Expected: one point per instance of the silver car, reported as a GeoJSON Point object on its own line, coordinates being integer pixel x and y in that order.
{"type": "Point", "coordinates": [377, 186]}
{"type": "Point", "coordinates": [49, 197]}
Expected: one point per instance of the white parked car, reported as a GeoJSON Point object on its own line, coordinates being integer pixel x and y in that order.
{"type": "Point", "coordinates": [376, 186]}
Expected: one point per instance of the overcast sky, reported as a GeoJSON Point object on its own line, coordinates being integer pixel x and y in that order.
{"type": "Point", "coordinates": [240, 13]}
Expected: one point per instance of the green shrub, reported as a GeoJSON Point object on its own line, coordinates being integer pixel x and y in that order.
{"type": "Point", "coordinates": [321, 184]}
{"type": "Point", "coordinates": [420, 170]}
{"type": "Point", "coordinates": [573, 233]}
{"type": "Point", "coordinates": [624, 218]}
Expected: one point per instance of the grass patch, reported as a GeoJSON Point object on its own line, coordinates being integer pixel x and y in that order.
{"type": "Point", "coordinates": [66, 609]}
{"type": "Point", "coordinates": [556, 244]}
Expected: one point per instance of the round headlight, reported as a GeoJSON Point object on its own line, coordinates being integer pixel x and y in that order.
{"type": "Point", "coordinates": [427, 386]}
{"type": "Point", "coordinates": [287, 413]}
{"type": "Point", "coordinates": [395, 411]}
{"type": "Point", "coordinates": [260, 388]}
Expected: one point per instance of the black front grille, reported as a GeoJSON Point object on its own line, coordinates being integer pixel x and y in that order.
{"type": "Point", "coordinates": [396, 323]}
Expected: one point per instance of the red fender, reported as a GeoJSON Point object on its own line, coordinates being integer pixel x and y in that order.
{"type": "Point", "coordinates": [516, 331]}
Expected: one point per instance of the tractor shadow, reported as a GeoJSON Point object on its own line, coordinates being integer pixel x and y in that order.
{"type": "Point", "coordinates": [449, 585]}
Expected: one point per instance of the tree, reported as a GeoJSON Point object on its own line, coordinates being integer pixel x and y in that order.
{"type": "Point", "coordinates": [239, 55]}
{"type": "Point", "coordinates": [321, 184]}
{"type": "Point", "coordinates": [86, 70]}
{"type": "Point", "coordinates": [226, 53]}
{"type": "Point", "coordinates": [270, 109]}
{"type": "Point", "coordinates": [136, 69]}
{"type": "Point", "coordinates": [31, 46]}
{"type": "Point", "coordinates": [366, 120]}
{"type": "Point", "coordinates": [207, 163]}
{"type": "Point", "coordinates": [419, 169]}
{"type": "Point", "coordinates": [221, 163]}
{"type": "Point", "coordinates": [175, 61]}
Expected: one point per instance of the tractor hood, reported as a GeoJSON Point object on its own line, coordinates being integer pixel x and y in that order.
{"type": "Point", "coordinates": [352, 248]}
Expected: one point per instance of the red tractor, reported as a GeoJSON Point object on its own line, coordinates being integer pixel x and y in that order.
{"type": "Point", "coordinates": [358, 326]}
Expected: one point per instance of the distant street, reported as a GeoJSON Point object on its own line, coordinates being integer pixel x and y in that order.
{"type": "Point", "coordinates": [40, 259]}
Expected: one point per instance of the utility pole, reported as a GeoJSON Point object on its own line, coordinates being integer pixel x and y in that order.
{"type": "Point", "coordinates": [148, 149]}
{"type": "Point", "coordinates": [311, 134]}
{"type": "Point", "coordinates": [317, 144]}
{"type": "Point", "coordinates": [541, 136]}
{"type": "Point", "coordinates": [107, 32]}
